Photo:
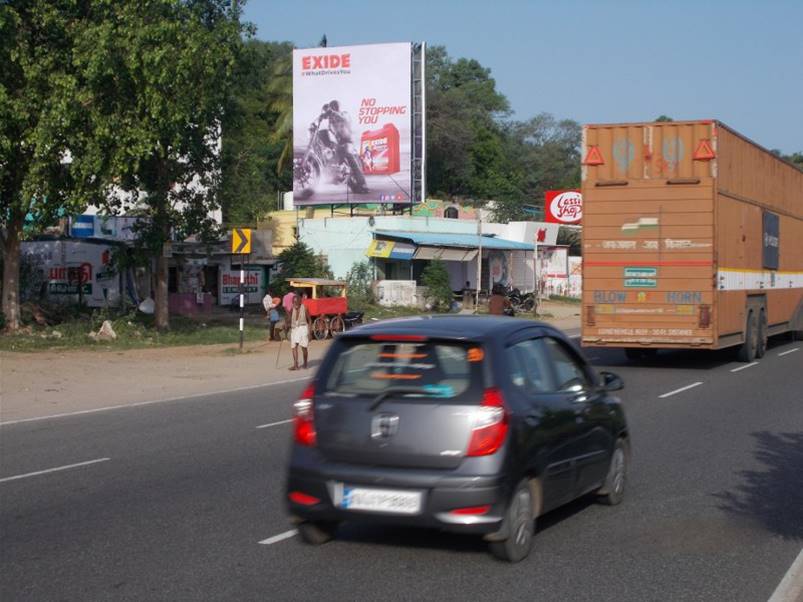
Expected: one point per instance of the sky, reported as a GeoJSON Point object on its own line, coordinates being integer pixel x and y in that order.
{"type": "Point", "coordinates": [737, 61]}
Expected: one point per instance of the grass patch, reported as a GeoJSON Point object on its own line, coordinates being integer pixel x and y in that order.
{"type": "Point", "coordinates": [133, 332]}
{"type": "Point", "coordinates": [379, 312]}
{"type": "Point", "coordinates": [562, 299]}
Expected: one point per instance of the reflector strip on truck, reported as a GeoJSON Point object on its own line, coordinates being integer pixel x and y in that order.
{"type": "Point", "coordinates": [747, 280]}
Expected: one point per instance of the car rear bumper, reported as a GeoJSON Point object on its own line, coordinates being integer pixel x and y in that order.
{"type": "Point", "coordinates": [441, 495]}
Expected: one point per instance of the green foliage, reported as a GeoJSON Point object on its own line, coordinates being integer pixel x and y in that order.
{"type": "Point", "coordinates": [255, 133]}
{"type": "Point", "coordinates": [298, 261]}
{"type": "Point", "coordinates": [474, 152]}
{"type": "Point", "coordinates": [571, 237]}
{"type": "Point", "coordinates": [359, 279]}
{"type": "Point", "coordinates": [663, 119]}
{"type": "Point", "coordinates": [436, 279]}
{"type": "Point", "coordinates": [160, 72]}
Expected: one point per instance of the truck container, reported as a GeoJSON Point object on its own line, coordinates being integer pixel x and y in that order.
{"type": "Point", "coordinates": [692, 238]}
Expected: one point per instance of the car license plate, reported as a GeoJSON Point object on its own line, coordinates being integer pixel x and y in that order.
{"type": "Point", "coordinates": [391, 501]}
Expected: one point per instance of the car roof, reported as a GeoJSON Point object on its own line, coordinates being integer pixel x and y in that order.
{"type": "Point", "coordinates": [449, 327]}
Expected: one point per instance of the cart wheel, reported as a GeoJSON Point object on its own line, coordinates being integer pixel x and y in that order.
{"type": "Point", "coordinates": [320, 328]}
{"type": "Point", "coordinates": [336, 325]}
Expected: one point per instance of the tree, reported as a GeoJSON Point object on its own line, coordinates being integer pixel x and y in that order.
{"type": "Point", "coordinates": [298, 261]}
{"type": "Point", "coordinates": [435, 278]}
{"type": "Point", "coordinates": [663, 119]}
{"type": "Point", "coordinates": [253, 165]}
{"type": "Point", "coordinates": [463, 106]}
{"type": "Point", "coordinates": [49, 159]}
{"type": "Point", "coordinates": [162, 70]}
{"type": "Point", "coordinates": [541, 154]}
{"type": "Point", "coordinates": [359, 280]}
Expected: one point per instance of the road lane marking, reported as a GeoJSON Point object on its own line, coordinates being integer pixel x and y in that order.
{"type": "Point", "coordinates": [750, 365]}
{"type": "Point", "coordinates": [791, 586]}
{"type": "Point", "coordinates": [788, 352]}
{"type": "Point", "coordinates": [278, 538]}
{"type": "Point", "coordinates": [676, 391]}
{"type": "Point", "coordinates": [155, 401]}
{"type": "Point", "coordinates": [49, 470]}
{"type": "Point", "coordinates": [264, 426]}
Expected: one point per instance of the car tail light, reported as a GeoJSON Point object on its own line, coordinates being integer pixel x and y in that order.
{"type": "Point", "coordinates": [590, 315]}
{"type": "Point", "coordinates": [303, 498]}
{"type": "Point", "coordinates": [705, 316]}
{"type": "Point", "coordinates": [304, 418]}
{"type": "Point", "coordinates": [490, 425]}
{"type": "Point", "coordinates": [472, 510]}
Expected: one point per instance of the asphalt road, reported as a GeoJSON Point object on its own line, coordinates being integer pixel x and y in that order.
{"type": "Point", "coordinates": [180, 494]}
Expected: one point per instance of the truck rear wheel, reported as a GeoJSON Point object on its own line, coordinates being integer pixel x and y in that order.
{"type": "Point", "coordinates": [747, 352]}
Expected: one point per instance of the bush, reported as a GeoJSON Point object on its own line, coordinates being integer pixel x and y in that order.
{"type": "Point", "coordinates": [298, 261]}
{"type": "Point", "coordinates": [359, 279]}
{"type": "Point", "coordinates": [436, 279]}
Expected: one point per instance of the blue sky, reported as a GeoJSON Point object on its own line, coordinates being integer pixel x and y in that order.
{"type": "Point", "coordinates": [597, 62]}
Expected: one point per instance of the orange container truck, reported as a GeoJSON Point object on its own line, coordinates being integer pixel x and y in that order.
{"type": "Point", "coordinates": [692, 238]}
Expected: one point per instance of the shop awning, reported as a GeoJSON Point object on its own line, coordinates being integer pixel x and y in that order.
{"type": "Point", "coordinates": [445, 253]}
{"type": "Point", "coordinates": [466, 241]}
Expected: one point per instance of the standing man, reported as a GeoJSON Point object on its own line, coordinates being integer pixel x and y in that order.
{"type": "Point", "coordinates": [271, 305]}
{"type": "Point", "coordinates": [498, 303]}
{"type": "Point", "coordinates": [300, 328]}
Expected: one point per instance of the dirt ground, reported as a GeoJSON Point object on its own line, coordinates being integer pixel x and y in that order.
{"type": "Point", "coordinates": [57, 382]}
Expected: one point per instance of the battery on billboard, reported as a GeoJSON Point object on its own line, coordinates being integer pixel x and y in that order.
{"type": "Point", "coordinates": [352, 124]}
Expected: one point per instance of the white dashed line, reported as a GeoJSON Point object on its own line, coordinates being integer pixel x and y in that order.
{"type": "Point", "coordinates": [676, 391]}
{"type": "Point", "coordinates": [264, 426]}
{"type": "Point", "coordinates": [788, 352]}
{"type": "Point", "coordinates": [278, 538]}
{"type": "Point", "coordinates": [790, 588]}
{"type": "Point", "coordinates": [750, 365]}
{"type": "Point", "coordinates": [57, 469]}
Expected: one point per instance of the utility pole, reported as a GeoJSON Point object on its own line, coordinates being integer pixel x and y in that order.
{"type": "Point", "coordinates": [479, 262]}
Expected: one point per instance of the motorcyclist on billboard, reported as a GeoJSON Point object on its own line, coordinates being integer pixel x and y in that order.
{"type": "Point", "coordinates": [334, 123]}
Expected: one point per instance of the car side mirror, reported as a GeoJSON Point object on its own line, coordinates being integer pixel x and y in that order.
{"type": "Point", "coordinates": [611, 381]}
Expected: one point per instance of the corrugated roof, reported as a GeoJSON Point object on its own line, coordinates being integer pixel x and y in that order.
{"type": "Point", "coordinates": [469, 241]}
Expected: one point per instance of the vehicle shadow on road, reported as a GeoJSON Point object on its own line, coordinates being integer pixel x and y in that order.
{"type": "Point", "coordinates": [431, 539]}
{"type": "Point", "coordinates": [425, 539]}
{"type": "Point", "coordinates": [682, 359]}
{"type": "Point", "coordinates": [772, 496]}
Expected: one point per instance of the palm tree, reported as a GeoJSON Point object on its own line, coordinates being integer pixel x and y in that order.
{"type": "Point", "coordinates": [280, 90]}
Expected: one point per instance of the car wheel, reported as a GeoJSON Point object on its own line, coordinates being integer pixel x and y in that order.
{"type": "Point", "coordinates": [317, 532]}
{"type": "Point", "coordinates": [747, 351]}
{"type": "Point", "coordinates": [520, 524]}
{"type": "Point", "coordinates": [613, 491]}
{"type": "Point", "coordinates": [761, 347]}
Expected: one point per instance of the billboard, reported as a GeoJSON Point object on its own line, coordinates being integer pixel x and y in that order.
{"type": "Point", "coordinates": [563, 206]}
{"type": "Point", "coordinates": [352, 123]}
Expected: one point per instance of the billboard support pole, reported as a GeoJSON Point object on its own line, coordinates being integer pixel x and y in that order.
{"type": "Point", "coordinates": [423, 123]}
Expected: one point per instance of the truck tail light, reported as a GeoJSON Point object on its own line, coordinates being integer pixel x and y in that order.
{"type": "Point", "coordinates": [705, 316]}
{"type": "Point", "coordinates": [304, 418]}
{"type": "Point", "coordinates": [490, 425]}
{"type": "Point", "coordinates": [590, 321]}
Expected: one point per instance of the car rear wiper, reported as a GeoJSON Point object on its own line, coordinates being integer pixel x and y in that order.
{"type": "Point", "coordinates": [394, 391]}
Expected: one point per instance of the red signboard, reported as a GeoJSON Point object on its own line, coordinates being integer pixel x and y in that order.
{"type": "Point", "coordinates": [563, 206]}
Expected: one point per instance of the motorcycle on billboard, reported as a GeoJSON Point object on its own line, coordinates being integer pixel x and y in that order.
{"type": "Point", "coordinates": [330, 155]}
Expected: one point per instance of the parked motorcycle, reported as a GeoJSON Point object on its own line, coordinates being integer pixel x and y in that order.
{"type": "Point", "coordinates": [329, 156]}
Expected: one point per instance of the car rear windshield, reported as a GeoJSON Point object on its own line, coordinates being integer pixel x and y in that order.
{"type": "Point", "coordinates": [442, 370]}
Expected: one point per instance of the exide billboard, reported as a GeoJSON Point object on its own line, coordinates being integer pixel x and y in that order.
{"type": "Point", "coordinates": [563, 206]}
{"type": "Point", "coordinates": [352, 118]}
